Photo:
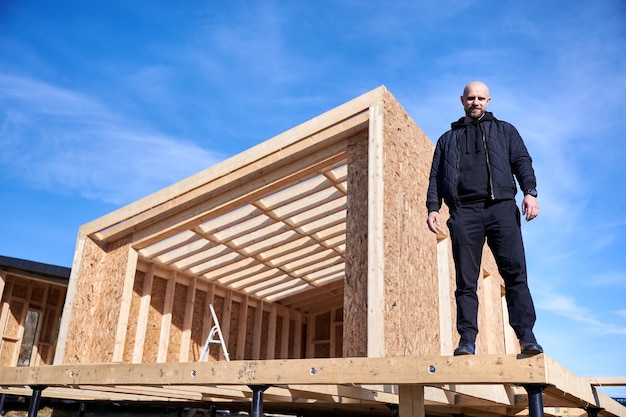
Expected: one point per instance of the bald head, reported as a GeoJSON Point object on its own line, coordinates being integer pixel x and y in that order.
{"type": "Point", "coordinates": [476, 85]}
{"type": "Point", "coordinates": [475, 99]}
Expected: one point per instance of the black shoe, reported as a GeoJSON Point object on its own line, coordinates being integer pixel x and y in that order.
{"type": "Point", "coordinates": [465, 349]}
{"type": "Point", "coordinates": [530, 348]}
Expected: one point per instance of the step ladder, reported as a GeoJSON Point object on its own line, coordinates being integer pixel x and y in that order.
{"type": "Point", "coordinates": [215, 331]}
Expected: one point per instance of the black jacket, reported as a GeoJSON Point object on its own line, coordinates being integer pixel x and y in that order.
{"type": "Point", "coordinates": [507, 159]}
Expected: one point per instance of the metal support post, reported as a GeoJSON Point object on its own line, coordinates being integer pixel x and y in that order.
{"type": "Point", "coordinates": [82, 407]}
{"type": "Point", "coordinates": [395, 410]}
{"type": "Point", "coordinates": [257, 400]}
{"type": "Point", "coordinates": [34, 400]}
{"type": "Point", "coordinates": [593, 411]}
{"type": "Point", "coordinates": [3, 397]}
{"type": "Point", "coordinates": [535, 399]}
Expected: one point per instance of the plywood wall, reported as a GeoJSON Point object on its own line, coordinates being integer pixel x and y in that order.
{"type": "Point", "coordinates": [411, 302]}
{"type": "Point", "coordinates": [97, 301]}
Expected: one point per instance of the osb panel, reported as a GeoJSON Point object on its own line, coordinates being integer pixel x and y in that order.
{"type": "Point", "coordinates": [177, 322]}
{"type": "Point", "coordinates": [155, 318]}
{"type": "Point", "coordinates": [48, 326]}
{"type": "Point", "coordinates": [338, 329]}
{"type": "Point", "coordinates": [197, 326]}
{"type": "Point", "coordinates": [411, 277]}
{"type": "Point", "coordinates": [322, 326]}
{"type": "Point", "coordinates": [279, 337]}
{"type": "Point", "coordinates": [233, 332]}
{"type": "Point", "coordinates": [264, 335]}
{"type": "Point", "coordinates": [249, 332]}
{"type": "Point", "coordinates": [292, 339]}
{"type": "Point", "coordinates": [44, 355]}
{"type": "Point", "coordinates": [56, 296]}
{"type": "Point", "coordinates": [7, 351]}
{"type": "Point", "coordinates": [96, 305]}
{"type": "Point", "coordinates": [12, 327]}
{"type": "Point", "coordinates": [20, 288]}
{"type": "Point", "coordinates": [38, 294]}
{"type": "Point", "coordinates": [321, 350]}
{"type": "Point", "coordinates": [355, 290]}
{"type": "Point", "coordinates": [135, 302]}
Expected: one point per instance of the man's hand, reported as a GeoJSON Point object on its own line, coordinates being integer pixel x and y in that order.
{"type": "Point", "coordinates": [433, 221]}
{"type": "Point", "coordinates": [530, 208]}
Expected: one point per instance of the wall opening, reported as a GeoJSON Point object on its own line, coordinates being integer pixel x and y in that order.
{"type": "Point", "coordinates": [31, 325]}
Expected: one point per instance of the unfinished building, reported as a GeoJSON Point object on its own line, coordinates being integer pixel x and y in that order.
{"type": "Point", "coordinates": [331, 294]}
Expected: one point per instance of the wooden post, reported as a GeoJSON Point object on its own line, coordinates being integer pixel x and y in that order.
{"type": "Point", "coordinates": [411, 400]}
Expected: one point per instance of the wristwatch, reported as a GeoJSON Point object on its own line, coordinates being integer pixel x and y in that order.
{"type": "Point", "coordinates": [531, 191]}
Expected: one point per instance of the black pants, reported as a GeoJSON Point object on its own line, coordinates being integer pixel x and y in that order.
{"type": "Point", "coordinates": [499, 223]}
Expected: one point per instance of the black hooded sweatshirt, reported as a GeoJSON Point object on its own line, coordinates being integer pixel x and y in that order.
{"type": "Point", "coordinates": [474, 177]}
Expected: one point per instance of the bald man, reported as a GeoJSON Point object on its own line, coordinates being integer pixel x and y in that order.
{"type": "Point", "coordinates": [474, 169]}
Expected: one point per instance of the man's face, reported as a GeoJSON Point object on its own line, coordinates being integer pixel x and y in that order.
{"type": "Point", "coordinates": [475, 99]}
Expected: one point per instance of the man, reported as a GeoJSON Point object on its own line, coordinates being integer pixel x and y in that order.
{"type": "Point", "coordinates": [473, 170]}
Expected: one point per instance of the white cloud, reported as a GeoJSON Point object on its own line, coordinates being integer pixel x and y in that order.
{"type": "Point", "coordinates": [66, 142]}
{"type": "Point", "coordinates": [568, 307]}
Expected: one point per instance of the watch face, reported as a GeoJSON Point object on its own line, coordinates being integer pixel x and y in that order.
{"type": "Point", "coordinates": [532, 192]}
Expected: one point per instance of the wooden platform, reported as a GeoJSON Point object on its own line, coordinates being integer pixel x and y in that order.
{"type": "Point", "coordinates": [437, 385]}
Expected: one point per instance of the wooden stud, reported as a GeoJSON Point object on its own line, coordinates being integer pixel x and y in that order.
{"type": "Point", "coordinates": [125, 305]}
{"type": "Point", "coordinates": [142, 318]}
{"type": "Point", "coordinates": [166, 319]}
{"type": "Point", "coordinates": [445, 295]}
{"type": "Point", "coordinates": [225, 322]}
{"type": "Point", "coordinates": [375, 233]}
{"type": "Point", "coordinates": [188, 320]}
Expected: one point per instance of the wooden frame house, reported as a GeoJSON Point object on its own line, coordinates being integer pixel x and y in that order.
{"type": "Point", "coordinates": [32, 296]}
{"type": "Point", "coordinates": [329, 290]}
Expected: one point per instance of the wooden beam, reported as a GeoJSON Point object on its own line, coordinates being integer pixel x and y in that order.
{"type": "Point", "coordinates": [607, 381]}
{"type": "Point", "coordinates": [427, 370]}
{"type": "Point", "coordinates": [409, 371]}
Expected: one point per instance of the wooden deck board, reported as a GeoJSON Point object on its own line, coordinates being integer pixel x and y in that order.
{"type": "Point", "coordinates": [452, 383]}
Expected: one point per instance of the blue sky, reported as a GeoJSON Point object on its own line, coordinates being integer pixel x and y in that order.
{"type": "Point", "coordinates": [102, 103]}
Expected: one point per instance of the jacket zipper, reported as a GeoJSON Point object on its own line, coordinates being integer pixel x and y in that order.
{"type": "Point", "coordinates": [489, 173]}
{"type": "Point", "coordinates": [457, 199]}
